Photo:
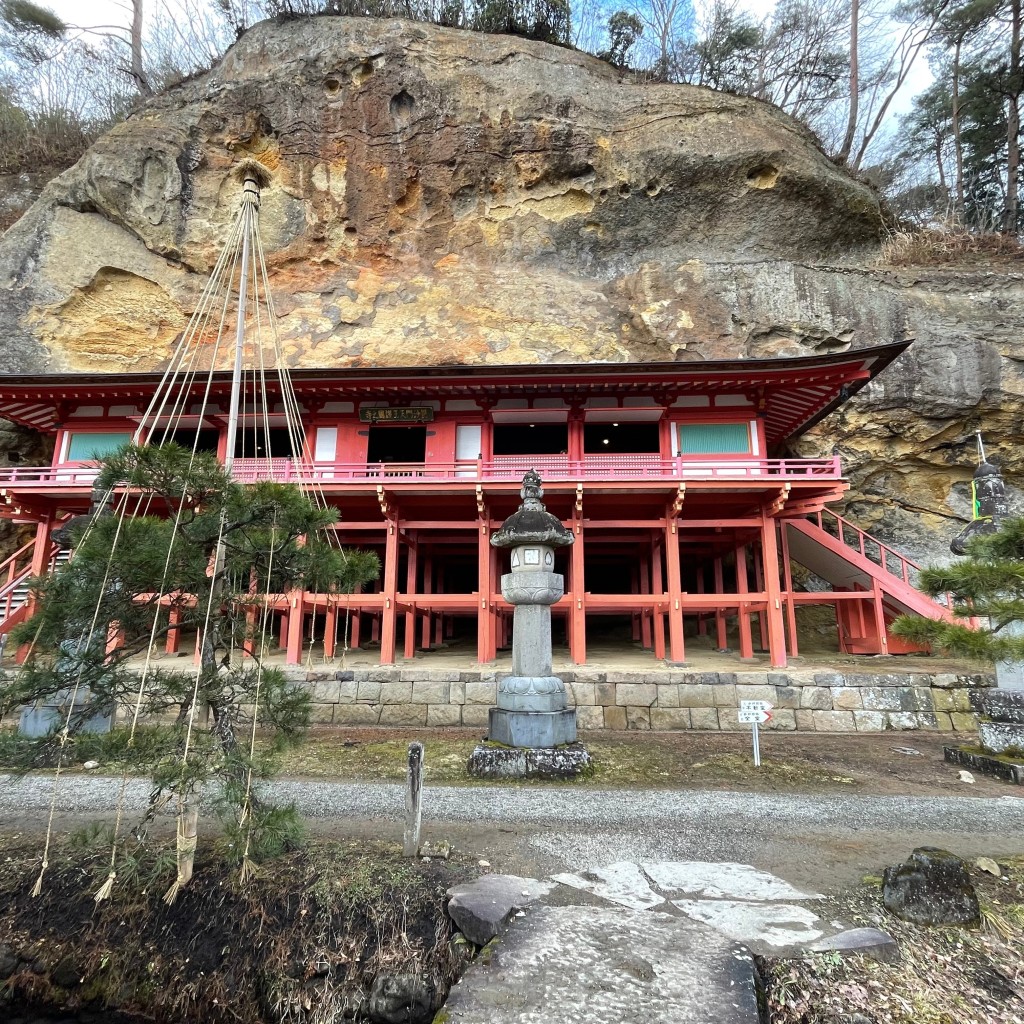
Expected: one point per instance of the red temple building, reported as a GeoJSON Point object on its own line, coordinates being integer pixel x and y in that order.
{"type": "Point", "coordinates": [687, 518]}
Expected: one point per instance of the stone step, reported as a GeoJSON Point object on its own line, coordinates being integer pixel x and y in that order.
{"type": "Point", "coordinates": [607, 966]}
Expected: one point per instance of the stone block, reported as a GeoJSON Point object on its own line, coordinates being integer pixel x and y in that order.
{"type": "Point", "coordinates": [962, 700]}
{"type": "Point", "coordinates": [345, 675]}
{"type": "Point", "coordinates": [944, 679]}
{"type": "Point", "coordinates": [324, 692]}
{"type": "Point", "coordinates": [847, 698]}
{"type": "Point", "coordinates": [752, 679]}
{"type": "Point", "coordinates": [834, 721]}
{"type": "Point", "coordinates": [783, 720]}
{"type": "Point", "coordinates": [356, 714]}
{"type": "Point", "coordinates": [943, 700]}
{"type": "Point", "coordinates": [604, 694]}
{"type": "Point", "coordinates": [626, 677]}
{"type": "Point", "coordinates": [444, 714]}
{"type": "Point", "coordinates": [922, 698]}
{"type": "Point", "coordinates": [725, 694]}
{"type": "Point", "coordinates": [457, 692]}
{"type": "Point", "coordinates": [368, 693]}
{"type": "Point", "coordinates": [322, 714]}
{"type": "Point", "coordinates": [704, 718]}
{"type": "Point", "coordinates": [430, 693]}
{"type": "Point", "coordinates": [395, 693]}
{"type": "Point", "coordinates": [481, 693]}
{"type": "Point", "coordinates": [384, 674]}
{"type": "Point", "coordinates": [804, 719]}
{"type": "Point", "coordinates": [943, 721]}
{"type": "Point", "coordinates": [787, 696]}
{"type": "Point", "coordinates": [766, 692]}
{"type": "Point", "coordinates": [1001, 737]}
{"type": "Point", "coordinates": [411, 675]}
{"type": "Point", "coordinates": [696, 696]}
{"type": "Point", "coordinates": [729, 718]}
{"type": "Point", "coordinates": [869, 721]}
{"type": "Point", "coordinates": [999, 705]}
{"type": "Point", "coordinates": [589, 675]}
{"type": "Point", "coordinates": [615, 718]}
{"type": "Point", "coordinates": [475, 715]}
{"type": "Point", "coordinates": [638, 718]}
{"type": "Point", "coordinates": [903, 720]}
{"type": "Point", "coordinates": [348, 693]}
{"type": "Point", "coordinates": [403, 714]}
{"type": "Point", "coordinates": [726, 678]}
{"type": "Point", "coordinates": [879, 698]}
{"type": "Point", "coordinates": [963, 721]}
{"type": "Point", "coordinates": [670, 718]}
{"type": "Point", "coordinates": [816, 698]}
{"type": "Point", "coordinates": [829, 679]}
{"type": "Point", "coordinates": [636, 694]}
{"type": "Point", "coordinates": [668, 695]}
{"type": "Point", "coordinates": [589, 717]}
{"type": "Point", "coordinates": [780, 679]}
{"type": "Point", "coordinates": [581, 693]}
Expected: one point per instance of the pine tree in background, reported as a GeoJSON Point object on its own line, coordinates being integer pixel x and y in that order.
{"type": "Point", "coordinates": [987, 583]}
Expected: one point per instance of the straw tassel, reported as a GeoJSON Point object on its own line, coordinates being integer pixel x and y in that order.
{"type": "Point", "coordinates": [172, 894]}
{"type": "Point", "coordinates": [106, 888]}
{"type": "Point", "coordinates": [37, 889]}
{"type": "Point", "coordinates": [249, 870]}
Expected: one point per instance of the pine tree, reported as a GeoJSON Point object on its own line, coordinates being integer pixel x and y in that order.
{"type": "Point", "coordinates": [987, 583]}
{"type": "Point", "coordinates": [133, 577]}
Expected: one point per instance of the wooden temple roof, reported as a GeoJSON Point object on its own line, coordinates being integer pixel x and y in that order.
{"type": "Point", "coordinates": [791, 394]}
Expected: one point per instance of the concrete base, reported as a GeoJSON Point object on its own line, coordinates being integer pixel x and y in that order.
{"type": "Point", "coordinates": [532, 728]}
{"type": "Point", "coordinates": [1009, 771]}
{"type": "Point", "coordinates": [494, 762]}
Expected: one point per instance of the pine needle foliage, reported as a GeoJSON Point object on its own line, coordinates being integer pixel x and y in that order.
{"type": "Point", "coordinates": [131, 571]}
{"type": "Point", "coordinates": [987, 584]}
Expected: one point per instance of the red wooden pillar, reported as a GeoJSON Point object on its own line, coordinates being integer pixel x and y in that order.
{"type": "Point", "coordinates": [636, 588]}
{"type": "Point", "coordinates": [296, 617]}
{"type": "Point", "coordinates": [746, 641]}
{"type": "Point", "coordinates": [787, 570]}
{"type": "Point", "coordinates": [428, 588]}
{"type": "Point", "coordinates": [762, 617]}
{"type": "Point", "coordinates": [173, 638]}
{"type": "Point", "coordinates": [330, 628]}
{"type": "Point", "coordinates": [676, 648]}
{"type": "Point", "coordinates": [702, 626]}
{"type": "Point", "coordinates": [389, 623]}
{"type": "Point", "coordinates": [721, 632]}
{"type": "Point", "coordinates": [356, 621]}
{"type": "Point", "coordinates": [486, 626]}
{"type": "Point", "coordinates": [410, 589]}
{"type": "Point", "coordinates": [770, 557]}
{"type": "Point", "coordinates": [646, 615]}
{"type": "Point", "coordinates": [658, 589]}
{"type": "Point", "coordinates": [578, 611]}
{"type": "Point", "coordinates": [879, 610]}
{"type": "Point", "coordinates": [439, 625]}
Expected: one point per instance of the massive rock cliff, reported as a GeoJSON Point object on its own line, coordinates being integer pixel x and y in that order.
{"type": "Point", "coordinates": [441, 196]}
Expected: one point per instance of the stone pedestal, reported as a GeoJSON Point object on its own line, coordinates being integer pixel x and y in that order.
{"type": "Point", "coordinates": [1000, 735]}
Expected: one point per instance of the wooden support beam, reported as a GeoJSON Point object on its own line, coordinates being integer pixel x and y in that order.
{"type": "Point", "coordinates": [676, 648]}
{"type": "Point", "coordinates": [428, 587]}
{"type": "Point", "coordinates": [578, 615]}
{"type": "Point", "coordinates": [646, 636]}
{"type": "Point", "coordinates": [746, 641]}
{"type": "Point", "coordinates": [787, 570]}
{"type": "Point", "coordinates": [389, 619]}
{"type": "Point", "coordinates": [658, 588]}
{"type": "Point", "coordinates": [296, 612]}
{"type": "Point", "coordinates": [721, 632]}
{"type": "Point", "coordinates": [410, 588]}
{"type": "Point", "coordinates": [772, 587]}
{"type": "Point", "coordinates": [173, 639]}
{"type": "Point", "coordinates": [486, 639]}
{"type": "Point", "coordinates": [762, 617]}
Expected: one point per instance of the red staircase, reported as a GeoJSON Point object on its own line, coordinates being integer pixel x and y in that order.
{"type": "Point", "coordinates": [15, 574]}
{"type": "Point", "coordinates": [851, 560]}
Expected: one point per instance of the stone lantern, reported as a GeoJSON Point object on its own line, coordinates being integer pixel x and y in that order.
{"type": "Point", "coordinates": [532, 715]}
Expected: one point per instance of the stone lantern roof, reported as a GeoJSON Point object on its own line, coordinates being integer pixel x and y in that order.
{"type": "Point", "coordinates": [533, 523]}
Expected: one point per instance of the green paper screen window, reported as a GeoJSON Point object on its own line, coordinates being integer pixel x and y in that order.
{"type": "Point", "coordinates": [714, 438]}
{"type": "Point", "coordinates": [85, 447]}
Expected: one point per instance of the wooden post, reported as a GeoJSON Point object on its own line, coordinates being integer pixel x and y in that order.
{"type": "Point", "coordinates": [413, 801]}
{"type": "Point", "coordinates": [658, 589]}
{"type": "Point", "coordinates": [578, 612]}
{"type": "Point", "coordinates": [428, 572]}
{"type": "Point", "coordinates": [702, 625]}
{"type": "Point", "coordinates": [770, 557]}
{"type": "Point", "coordinates": [173, 638]}
{"type": "Point", "coordinates": [879, 610]}
{"type": "Point", "coordinates": [410, 589]}
{"type": "Point", "coordinates": [486, 627]}
{"type": "Point", "coordinates": [677, 651]}
{"type": "Point", "coordinates": [646, 615]}
{"type": "Point", "coordinates": [330, 629]}
{"type": "Point", "coordinates": [759, 585]}
{"type": "Point", "coordinates": [787, 570]}
{"type": "Point", "coordinates": [746, 641]}
{"type": "Point", "coordinates": [389, 623]}
{"type": "Point", "coordinates": [721, 632]}
{"type": "Point", "coordinates": [296, 618]}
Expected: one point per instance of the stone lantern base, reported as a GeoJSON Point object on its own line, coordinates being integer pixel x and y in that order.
{"type": "Point", "coordinates": [532, 728]}
{"type": "Point", "coordinates": [491, 761]}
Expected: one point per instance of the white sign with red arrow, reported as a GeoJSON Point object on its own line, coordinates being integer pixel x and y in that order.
{"type": "Point", "coordinates": [755, 713]}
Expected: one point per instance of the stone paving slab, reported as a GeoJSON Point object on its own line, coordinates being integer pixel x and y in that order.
{"type": "Point", "coordinates": [608, 966]}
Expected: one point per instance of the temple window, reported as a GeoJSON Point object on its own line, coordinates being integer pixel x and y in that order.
{"type": "Point", "coordinates": [85, 446]}
{"type": "Point", "coordinates": [714, 438]}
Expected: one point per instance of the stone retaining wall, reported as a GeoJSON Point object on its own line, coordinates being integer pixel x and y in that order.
{"type": "Point", "coordinates": [659, 699]}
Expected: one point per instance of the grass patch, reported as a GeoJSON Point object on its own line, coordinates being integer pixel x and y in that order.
{"type": "Point", "coordinates": [936, 247]}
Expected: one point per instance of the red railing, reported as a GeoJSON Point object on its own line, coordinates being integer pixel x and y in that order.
{"type": "Point", "coordinates": [871, 548]}
{"type": "Point", "coordinates": [511, 468]}
{"type": "Point", "coordinates": [15, 571]}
